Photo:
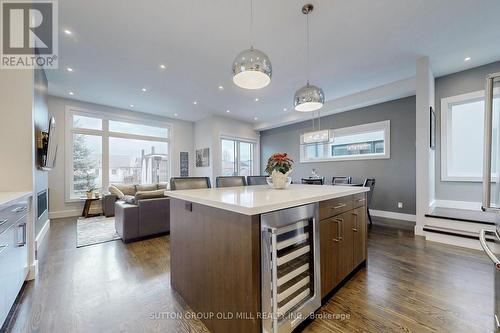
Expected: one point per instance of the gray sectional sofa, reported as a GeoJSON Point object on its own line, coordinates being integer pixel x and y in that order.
{"type": "Point", "coordinates": [140, 211]}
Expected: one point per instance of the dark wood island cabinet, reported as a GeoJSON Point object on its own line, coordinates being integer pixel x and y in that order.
{"type": "Point", "coordinates": [217, 242]}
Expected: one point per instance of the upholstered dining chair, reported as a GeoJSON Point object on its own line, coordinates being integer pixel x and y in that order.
{"type": "Point", "coordinates": [230, 181]}
{"type": "Point", "coordinates": [256, 180]}
{"type": "Point", "coordinates": [313, 181]}
{"type": "Point", "coordinates": [341, 180]}
{"type": "Point", "coordinates": [369, 182]}
{"type": "Point", "coordinates": [189, 183]}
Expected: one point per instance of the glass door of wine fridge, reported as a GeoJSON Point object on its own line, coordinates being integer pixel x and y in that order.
{"type": "Point", "coordinates": [290, 267]}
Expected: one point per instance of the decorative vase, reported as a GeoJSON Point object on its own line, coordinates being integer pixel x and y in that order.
{"type": "Point", "coordinates": [279, 180]}
{"type": "Point", "coordinates": [90, 195]}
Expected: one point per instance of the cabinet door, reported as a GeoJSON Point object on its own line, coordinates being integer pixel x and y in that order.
{"type": "Point", "coordinates": [329, 252]}
{"type": "Point", "coordinates": [359, 235]}
{"type": "Point", "coordinates": [346, 240]}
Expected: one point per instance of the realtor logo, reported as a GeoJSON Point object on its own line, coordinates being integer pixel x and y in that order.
{"type": "Point", "coordinates": [28, 34]}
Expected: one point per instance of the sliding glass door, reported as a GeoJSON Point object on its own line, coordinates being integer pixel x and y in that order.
{"type": "Point", "coordinates": [237, 158]}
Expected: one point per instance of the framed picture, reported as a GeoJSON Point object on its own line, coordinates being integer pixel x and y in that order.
{"type": "Point", "coordinates": [184, 160]}
{"type": "Point", "coordinates": [432, 118]}
{"type": "Point", "coordinates": [202, 157]}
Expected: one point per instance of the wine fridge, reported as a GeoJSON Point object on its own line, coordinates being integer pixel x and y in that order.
{"type": "Point", "coordinates": [290, 267]}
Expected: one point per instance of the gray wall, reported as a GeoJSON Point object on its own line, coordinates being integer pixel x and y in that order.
{"type": "Point", "coordinates": [452, 85]}
{"type": "Point", "coordinates": [395, 177]}
{"type": "Point", "coordinates": [41, 116]}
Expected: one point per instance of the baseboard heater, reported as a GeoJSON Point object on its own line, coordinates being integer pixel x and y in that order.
{"type": "Point", "coordinates": [456, 233]}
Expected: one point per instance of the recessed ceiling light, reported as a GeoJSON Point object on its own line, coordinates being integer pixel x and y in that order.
{"type": "Point", "coordinates": [284, 109]}
{"type": "Point", "coordinates": [176, 114]}
{"type": "Point", "coordinates": [256, 99]}
{"type": "Point", "coordinates": [71, 93]}
{"type": "Point", "coordinates": [228, 111]}
{"type": "Point", "coordinates": [67, 32]}
{"type": "Point", "coordinates": [221, 88]}
{"type": "Point", "coordinates": [163, 66]}
{"type": "Point", "coordinates": [467, 59]}
{"type": "Point", "coordinates": [131, 105]}
{"type": "Point", "coordinates": [195, 102]}
{"type": "Point", "coordinates": [69, 69]}
{"type": "Point", "coordinates": [144, 89]}
{"type": "Point", "coordinates": [255, 118]}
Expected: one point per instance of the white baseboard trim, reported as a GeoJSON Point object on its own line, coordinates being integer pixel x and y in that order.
{"type": "Point", "coordinates": [41, 235]}
{"type": "Point", "coordinates": [457, 204]}
{"type": "Point", "coordinates": [32, 271]}
{"type": "Point", "coordinates": [393, 215]}
{"type": "Point", "coordinates": [458, 241]}
{"type": "Point", "coordinates": [64, 213]}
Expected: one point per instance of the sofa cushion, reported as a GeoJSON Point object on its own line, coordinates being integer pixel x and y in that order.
{"type": "Point", "coordinates": [127, 189]}
{"type": "Point", "coordinates": [162, 186]}
{"type": "Point", "coordinates": [116, 191]}
{"type": "Point", "coordinates": [142, 188]}
{"type": "Point", "coordinates": [140, 195]}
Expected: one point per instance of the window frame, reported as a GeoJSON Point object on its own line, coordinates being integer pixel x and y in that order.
{"type": "Point", "coordinates": [256, 148]}
{"type": "Point", "coordinates": [384, 125]}
{"type": "Point", "coordinates": [105, 134]}
{"type": "Point", "coordinates": [446, 131]}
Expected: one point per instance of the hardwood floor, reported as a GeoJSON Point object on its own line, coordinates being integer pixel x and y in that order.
{"type": "Point", "coordinates": [409, 285]}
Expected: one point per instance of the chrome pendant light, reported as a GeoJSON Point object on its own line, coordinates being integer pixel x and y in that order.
{"type": "Point", "coordinates": [252, 68]}
{"type": "Point", "coordinates": [308, 98]}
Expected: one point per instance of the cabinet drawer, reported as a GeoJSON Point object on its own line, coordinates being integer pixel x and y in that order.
{"type": "Point", "coordinates": [334, 207]}
{"type": "Point", "coordinates": [359, 200]}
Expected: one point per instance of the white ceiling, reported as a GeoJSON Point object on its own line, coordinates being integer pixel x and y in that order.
{"type": "Point", "coordinates": [116, 48]}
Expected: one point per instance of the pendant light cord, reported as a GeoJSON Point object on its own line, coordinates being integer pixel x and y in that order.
{"type": "Point", "coordinates": [251, 24]}
{"type": "Point", "coordinates": [307, 46]}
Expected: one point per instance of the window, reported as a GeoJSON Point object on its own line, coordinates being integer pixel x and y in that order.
{"type": "Point", "coordinates": [106, 151]}
{"type": "Point", "coordinates": [462, 136]}
{"type": "Point", "coordinates": [368, 141]}
{"type": "Point", "coordinates": [237, 158]}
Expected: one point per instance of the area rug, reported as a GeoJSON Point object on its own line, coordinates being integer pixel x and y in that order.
{"type": "Point", "coordinates": [95, 230]}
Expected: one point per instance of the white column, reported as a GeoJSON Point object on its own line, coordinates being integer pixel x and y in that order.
{"type": "Point", "coordinates": [425, 159]}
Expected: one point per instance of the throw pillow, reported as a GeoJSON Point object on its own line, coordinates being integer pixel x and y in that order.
{"type": "Point", "coordinates": [114, 190]}
{"type": "Point", "coordinates": [150, 187]}
{"type": "Point", "coordinates": [130, 199]}
{"type": "Point", "coordinates": [141, 195]}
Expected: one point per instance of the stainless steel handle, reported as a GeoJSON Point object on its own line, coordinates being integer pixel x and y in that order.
{"type": "Point", "coordinates": [3, 247]}
{"type": "Point", "coordinates": [20, 209]}
{"type": "Point", "coordinates": [356, 224]}
{"type": "Point", "coordinates": [482, 240]}
{"type": "Point", "coordinates": [339, 228]}
{"type": "Point", "coordinates": [488, 124]}
{"type": "Point", "coordinates": [2, 222]}
{"type": "Point", "coordinates": [23, 242]}
{"type": "Point", "coordinates": [339, 206]}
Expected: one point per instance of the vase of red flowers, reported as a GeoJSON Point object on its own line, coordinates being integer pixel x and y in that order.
{"type": "Point", "coordinates": [279, 167]}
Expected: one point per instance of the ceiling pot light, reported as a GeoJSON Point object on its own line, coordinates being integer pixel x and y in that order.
{"type": "Point", "coordinates": [131, 105]}
{"type": "Point", "coordinates": [69, 69]}
{"type": "Point", "coordinates": [71, 93]}
{"type": "Point", "coordinates": [255, 118]}
{"type": "Point", "coordinates": [256, 99]}
{"type": "Point", "coordinates": [176, 114]}
{"type": "Point", "coordinates": [228, 111]}
{"type": "Point", "coordinates": [308, 98]}
{"type": "Point", "coordinates": [252, 68]}
{"type": "Point", "coordinates": [144, 89]}
{"type": "Point", "coordinates": [195, 102]}
{"type": "Point", "coordinates": [467, 59]}
{"type": "Point", "coordinates": [221, 88]}
{"type": "Point", "coordinates": [163, 66]}
{"type": "Point", "coordinates": [67, 32]}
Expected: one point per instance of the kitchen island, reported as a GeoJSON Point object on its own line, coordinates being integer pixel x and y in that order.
{"type": "Point", "coordinates": [252, 259]}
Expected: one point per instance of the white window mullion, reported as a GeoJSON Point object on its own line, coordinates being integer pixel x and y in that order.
{"type": "Point", "coordinates": [105, 155]}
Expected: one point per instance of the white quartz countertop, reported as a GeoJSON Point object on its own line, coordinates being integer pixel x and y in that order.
{"type": "Point", "coordinates": [10, 197]}
{"type": "Point", "coordinates": [252, 200]}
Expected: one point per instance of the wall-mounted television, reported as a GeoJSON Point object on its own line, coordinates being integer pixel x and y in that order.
{"type": "Point", "coordinates": [47, 146]}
